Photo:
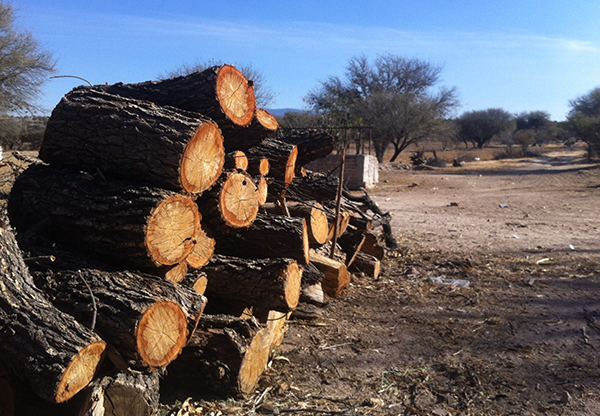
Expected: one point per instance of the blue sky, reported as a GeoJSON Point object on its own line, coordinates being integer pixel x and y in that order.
{"type": "Point", "coordinates": [520, 55]}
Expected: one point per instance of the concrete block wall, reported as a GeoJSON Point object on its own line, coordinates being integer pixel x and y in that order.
{"type": "Point", "coordinates": [360, 171]}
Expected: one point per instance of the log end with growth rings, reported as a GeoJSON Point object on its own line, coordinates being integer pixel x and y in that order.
{"type": "Point", "coordinates": [319, 225]}
{"type": "Point", "coordinates": [236, 95]}
{"type": "Point", "coordinates": [292, 286]}
{"type": "Point", "coordinates": [203, 159]}
{"type": "Point", "coordinates": [255, 361]}
{"type": "Point", "coordinates": [161, 334]}
{"type": "Point", "coordinates": [290, 167]}
{"type": "Point", "coordinates": [238, 200]}
{"type": "Point", "coordinates": [204, 247]}
{"type": "Point", "coordinates": [170, 230]}
{"type": "Point", "coordinates": [305, 242]}
{"type": "Point", "coordinates": [81, 371]}
{"type": "Point", "coordinates": [266, 119]}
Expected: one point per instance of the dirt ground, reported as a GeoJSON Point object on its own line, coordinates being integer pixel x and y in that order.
{"type": "Point", "coordinates": [523, 338]}
{"type": "Point", "coordinates": [516, 333]}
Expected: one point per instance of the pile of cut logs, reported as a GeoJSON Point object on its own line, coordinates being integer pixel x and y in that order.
{"type": "Point", "coordinates": [167, 229]}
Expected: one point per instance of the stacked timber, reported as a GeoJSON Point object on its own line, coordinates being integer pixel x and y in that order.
{"type": "Point", "coordinates": [151, 232]}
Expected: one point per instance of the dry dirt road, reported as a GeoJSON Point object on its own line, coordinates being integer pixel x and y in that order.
{"type": "Point", "coordinates": [523, 338]}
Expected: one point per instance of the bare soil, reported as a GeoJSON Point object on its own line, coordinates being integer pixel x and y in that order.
{"type": "Point", "coordinates": [516, 333]}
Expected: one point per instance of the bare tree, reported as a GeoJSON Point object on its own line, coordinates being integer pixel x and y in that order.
{"type": "Point", "coordinates": [263, 93]}
{"type": "Point", "coordinates": [24, 65]}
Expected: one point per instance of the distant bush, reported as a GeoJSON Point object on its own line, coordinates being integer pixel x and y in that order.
{"type": "Point", "coordinates": [22, 133]}
{"type": "Point", "coordinates": [516, 152]}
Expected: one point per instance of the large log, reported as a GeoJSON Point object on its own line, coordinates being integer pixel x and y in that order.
{"type": "Point", "coordinates": [314, 187]}
{"type": "Point", "coordinates": [268, 236]}
{"type": "Point", "coordinates": [232, 202]}
{"type": "Point", "coordinates": [50, 349]}
{"type": "Point", "coordinates": [272, 284]}
{"type": "Point", "coordinates": [312, 145]}
{"type": "Point", "coordinates": [242, 138]}
{"type": "Point", "coordinates": [143, 317]}
{"type": "Point", "coordinates": [281, 156]}
{"type": "Point", "coordinates": [315, 216]}
{"type": "Point", "coordinates": [220, 92]}
{"type": "Point", "coordinates": [122, 394]}
{"type": "Point", "coordinates": [225, 356]}
{"type": "Point", "coordinates": [92, 130]}
{"type": "Point", "coordinates": [137, 225]}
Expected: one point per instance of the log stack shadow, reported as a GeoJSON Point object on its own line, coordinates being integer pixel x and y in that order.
{"type": "Point", "coordinates": [159, 215]}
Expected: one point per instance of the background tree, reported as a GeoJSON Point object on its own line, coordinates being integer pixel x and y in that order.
{"type": "Point", "coordinates": [584, 120]}
{"type": "Point", "coordinates": [538, 122]}
{"type": "Point", "coordinates": [393, 95]}
{"type": "Point", "coordinates": [24, 65]}
{"type": "Point", "coordinates": [481, 126]}
{"type": "Point", "coordinates": [263, 93]}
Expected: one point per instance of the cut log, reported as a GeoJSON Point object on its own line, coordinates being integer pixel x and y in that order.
{"type": "Point", "coordinates": [143, 317]}
{"type": "Point", "coordinates": [281, 156]}
{"type": "Point", "coordinates": [315, 216]}
{"type": "Point", "coordinates": [366, 264]}
{"type": "Point", "coordinates": [272, 284]}
{"type": "Point", "coordinates": [196, 281]}
{"type": "Point", "coordinates": [243, 138]}
{"type": "Point", "coordinates": [343, 222]}
{"type": "Point", "coordinates": [312, 145]}
{"type": "Point", "coordinates": [122, 394]}
{"type": "Point", "coordinates": [91, 130]}
{"type": "Point", "coordinates": [53, 352]}
{"type": "Point", "coordinates": [258, 166]}
{"type": "Point", "coordinates": [204, 247]}
{"type": "Point", "coordinates": [145, 227]}
{"type": "Point", "coordinates": [221, 93]}
{"type": "Point", "coordinates": [313, 187]}
{"type": "Point", "coordinates": [226, 356]}
{"type": "Point", "coordinates": [232, 202]}
{"type": "Point", "coordinates": [262, 187]}
{"type": "Point", "coordinates": [236, 160]}
{"type": "Point", "coordinates": [269, 236]}
{"type": "Point", "coordinates": [336, 277]}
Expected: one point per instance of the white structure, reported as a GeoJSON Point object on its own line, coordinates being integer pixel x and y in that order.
{"type": "Point", "coordinates": [360, 171]}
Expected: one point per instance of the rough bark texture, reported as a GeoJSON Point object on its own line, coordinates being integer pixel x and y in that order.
{"type": "Point", "coordinates": [221, 93]}
{"type": "Point", "coordinates": [312, 145]}
{"type": "Point", "coordinates": [54, 353]}
{"type": "Point", "coordinates": [281, 156]}
{"type": "Point", "coordinates": [141, 316]}
{"type": "Point", "coordinates": [122, 394]}
{"type": "Point", "coordinates": [225, 356]}
{"type": "Point", "coordinates": [232, 202]}
{"type": "Point", "coordinates": [92, 130]}
{"type": "Point", "coordinates": [269, 236]}
{"type": "Point", "coordinates": [313, 187]}
{"type": "Point", "coordinates": [243, 138]}
{"type": "Point", "coordinates": [136, 225]}
{"type": "Point", "coordinates": [264, 283]}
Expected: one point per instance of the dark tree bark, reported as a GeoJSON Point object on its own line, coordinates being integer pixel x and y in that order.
{"type": "Point", "coordinates": [136, 225]}
{"type": "Point", "coordinates": [48, 348]}
{"type": "Point", "coordinates": [94, 131]}
{"type": "Point", "coordinates": [312, 145]}
{"type": "Point", "coordinates": [221, 93]}
{"type": "Point", "coordinates": [272, 284]}
{"type": "Point", "coordinates": [226, 356]}
{"type": "Point", "coordinates": [269, 236]}
{"type": "Point", "coordinates": [281, 156]}
{"type": "Point", "coordinates": [143, 317]}
{"type": "Point", "coordinates": [243, 138]}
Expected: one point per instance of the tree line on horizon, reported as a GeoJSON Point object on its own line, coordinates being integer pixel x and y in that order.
{"type": "Point", "coordinates": [400, 100]}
